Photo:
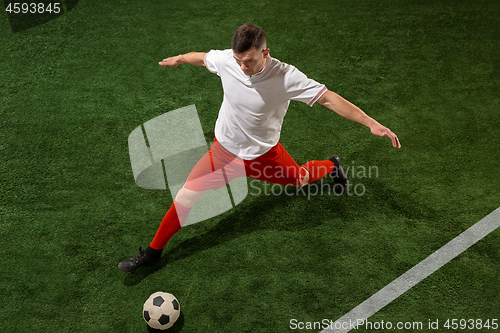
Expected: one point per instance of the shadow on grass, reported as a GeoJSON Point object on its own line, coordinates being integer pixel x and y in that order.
{"type": "Point", "coordinates": [304, 214]}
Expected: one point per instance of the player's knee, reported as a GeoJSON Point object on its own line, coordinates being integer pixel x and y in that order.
{"type": "Point", "coordinates": [302, 184]}
{"type": "Point", "coordinates": [305, 180]}
{"type": "Point", "coordinates": [188, 198]}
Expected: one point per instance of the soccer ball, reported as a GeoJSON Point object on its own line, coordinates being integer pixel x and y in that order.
{"type": "Point", "coordinates": [161, 310]}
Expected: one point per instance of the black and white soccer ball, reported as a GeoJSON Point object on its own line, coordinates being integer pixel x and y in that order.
{"type": "Point", "coordinates": [161, 310]}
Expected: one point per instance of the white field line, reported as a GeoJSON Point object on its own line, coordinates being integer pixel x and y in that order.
{"type": "Point", "coordinates": [416, 274]}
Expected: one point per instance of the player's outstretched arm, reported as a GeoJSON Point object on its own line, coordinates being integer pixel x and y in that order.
{"type": "Point", "coordinates": [192, 58]}
{"type": "Point", "coordinates": [350, 111]}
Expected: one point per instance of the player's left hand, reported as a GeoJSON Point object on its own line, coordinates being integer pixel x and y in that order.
{"type": "Point", "coordinates": [381, 130]}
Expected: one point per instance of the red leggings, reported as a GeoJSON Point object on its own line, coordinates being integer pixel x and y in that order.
{"type": "Point", "coordinates": [218, 167]}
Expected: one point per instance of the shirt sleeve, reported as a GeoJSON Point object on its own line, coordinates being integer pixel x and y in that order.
{"type": "Point", "coordinates": [300, 88]}
{"type": "Point", "coordinates": [213, 59]}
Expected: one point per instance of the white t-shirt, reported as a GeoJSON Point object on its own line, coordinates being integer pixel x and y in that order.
{"type": "Point", "coordinates": [252, 112]}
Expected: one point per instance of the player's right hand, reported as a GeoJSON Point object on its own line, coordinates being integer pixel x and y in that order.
{"type": "Point", "coordinates": [170, 62]}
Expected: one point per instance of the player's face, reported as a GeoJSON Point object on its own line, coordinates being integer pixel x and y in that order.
{"type": "Point", "coordinates": [252, 61]}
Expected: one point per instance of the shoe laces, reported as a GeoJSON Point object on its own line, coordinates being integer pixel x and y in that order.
{"type": "Point", "coordinates": [139, 257]}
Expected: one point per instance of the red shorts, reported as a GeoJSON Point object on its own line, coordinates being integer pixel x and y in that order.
{"type": "Point", "coordinates": [219, 166]}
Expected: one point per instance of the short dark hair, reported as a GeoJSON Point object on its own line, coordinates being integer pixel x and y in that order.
{"type": "Point", "coordinates": [246, 37]}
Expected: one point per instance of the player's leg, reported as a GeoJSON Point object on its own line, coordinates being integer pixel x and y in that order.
{"type": "Point", "coordinates": [277, 166]}
{"type": "Point", "coordinates": [306, 179]}
{"type": "Point", "coordinates": [188, 198]}
{"type": "Point", "coordinates": [206, 175]}
{"type": "Point", "coordinates": [171, 223]}
{"type": "Point", "coordinates": [331, 166]}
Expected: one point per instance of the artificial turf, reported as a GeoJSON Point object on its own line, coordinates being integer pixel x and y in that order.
{"type": "Point", "coordinates": [73, 88]}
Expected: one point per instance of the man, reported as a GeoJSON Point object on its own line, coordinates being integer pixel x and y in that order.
{"type": "Point", "coordinates": [257, 93]}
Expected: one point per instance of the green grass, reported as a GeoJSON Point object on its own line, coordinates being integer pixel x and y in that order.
{"type": "Point", "coordinates": [72, 89]}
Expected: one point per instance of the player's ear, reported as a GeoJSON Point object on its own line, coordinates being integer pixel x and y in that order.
{"type": "Point", "coordinates": [265, 52]}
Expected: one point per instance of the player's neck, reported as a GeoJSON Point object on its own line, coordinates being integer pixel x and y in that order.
{"type": "Point", "coordinates": [262, 68]}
